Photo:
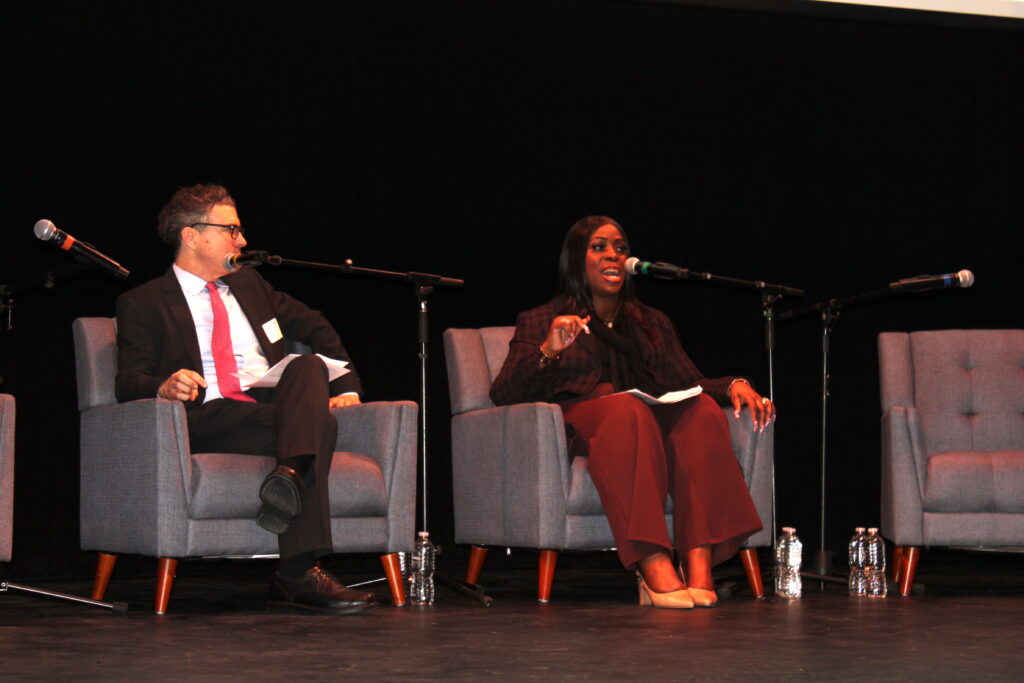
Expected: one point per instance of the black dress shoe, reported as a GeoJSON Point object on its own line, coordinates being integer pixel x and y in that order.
{"type": "Point", "coordinates": [281, 494]}
{"type": "Point", "coordinates": [317, 591]}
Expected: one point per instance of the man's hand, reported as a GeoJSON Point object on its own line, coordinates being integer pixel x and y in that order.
{"type": "Point", "coordinates": [182, 386]}
{"type": "Point", "coordinates": [344, 400]}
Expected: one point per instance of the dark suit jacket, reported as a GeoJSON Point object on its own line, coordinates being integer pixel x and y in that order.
{"type": "Point", "coordinates": [156, 335]}
{"type": "Point", "coordinates": [578, 371]}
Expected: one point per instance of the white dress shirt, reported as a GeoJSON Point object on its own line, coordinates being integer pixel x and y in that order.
{"type": "Point", "coordinates": [244, 344]}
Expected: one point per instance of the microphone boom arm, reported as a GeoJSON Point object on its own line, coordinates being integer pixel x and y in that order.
{"type": "Point", "coordinates": [761, 285]}
{"type": "Point", "coordinates": [346, 268]}
{"type": "Point", "coordinates": [667, 271]}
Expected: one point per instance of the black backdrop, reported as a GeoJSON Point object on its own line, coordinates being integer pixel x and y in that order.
{"type": "Point", "coordinates": [833, 153]}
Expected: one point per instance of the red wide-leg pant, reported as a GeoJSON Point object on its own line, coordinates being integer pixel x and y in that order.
{"type": "Point", "coordinates": [639, 454]}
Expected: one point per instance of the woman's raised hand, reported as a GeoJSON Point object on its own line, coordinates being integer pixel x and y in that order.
{"type": "Point", "coordinates": [564, 331]}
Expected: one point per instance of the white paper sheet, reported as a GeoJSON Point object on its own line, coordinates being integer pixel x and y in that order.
{"type": "Point", "coordinates": [273, 375]}
{"type": "Point", "coordinates": [670, 397]}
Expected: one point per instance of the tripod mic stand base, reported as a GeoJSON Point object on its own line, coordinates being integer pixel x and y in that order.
{"type": "Point", "coordinates": [825, 578]}
{"type": "Point", "coordinates": [823, 562]}
{"type": "Point", "coordinates": [115, 607]}
{"type": "Point", "coordinates": [472, 590]}
{"type": "Point", "coordinates": [823, 569]}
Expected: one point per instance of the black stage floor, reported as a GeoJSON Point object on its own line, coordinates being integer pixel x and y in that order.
{"type": "Point", "coordinates": [965, 626]}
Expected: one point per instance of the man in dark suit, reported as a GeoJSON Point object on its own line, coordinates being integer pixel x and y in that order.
{"type": "Point", "coordinates": [189, 334]}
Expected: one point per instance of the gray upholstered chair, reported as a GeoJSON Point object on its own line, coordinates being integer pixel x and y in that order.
{"type": "Point", "coordinates": [952, 441]}
{"type": "Point", "coordinates": [6, 475]}
{"type": "Point", "coordinates": [514, 485]}
{"type": "Point", "coordinates": [143, 491]}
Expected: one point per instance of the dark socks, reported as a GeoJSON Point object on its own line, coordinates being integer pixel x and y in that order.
{"type": "Point", "coordinates": [296, 567]}
{"type": "Point", "coordinates": [301, 465]}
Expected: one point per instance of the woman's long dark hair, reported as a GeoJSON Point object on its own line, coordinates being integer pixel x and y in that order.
{"type": "Point", "coordinates": [573, 287]}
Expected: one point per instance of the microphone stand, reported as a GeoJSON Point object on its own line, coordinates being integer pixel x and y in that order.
{"type": "Point", "coordinates": [48, 281]}
{"type": "Point", "coordinates": [423, 285]}
{"type": "Point", "coordinates": [829, 313]}
{"type": "Point", "coordinates": [7, 294]}
{"type": "Point", "coordinates": [771, 294]}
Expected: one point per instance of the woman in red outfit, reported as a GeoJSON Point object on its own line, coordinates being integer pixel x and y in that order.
{"type": "Point", "coordinates": [594, 339]}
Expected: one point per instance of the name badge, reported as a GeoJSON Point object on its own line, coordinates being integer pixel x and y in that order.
{"type": "Point", "coordinates": [272, 330]}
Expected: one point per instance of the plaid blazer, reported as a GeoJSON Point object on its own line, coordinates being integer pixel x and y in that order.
{"type": "Point", "coordinates": [578, 370]}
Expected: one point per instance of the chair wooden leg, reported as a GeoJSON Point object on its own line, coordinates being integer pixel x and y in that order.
{"type": "Point", "coordinates": [753, 570]}
{"type": "Point", "coordinates": [477, 555]}
{"type": "Point", "coordinates": [910, 557]}
{"type": "Point", "coordinates": [165, 569]}
{"type": "Point", "coordinates": [104, 569]}
{"type": "Point", "coordinates": [546, 574]}
{"type": "Point", "coordinates": [897, 564]}
{"type": "Point", "coordinates": [393, 571]}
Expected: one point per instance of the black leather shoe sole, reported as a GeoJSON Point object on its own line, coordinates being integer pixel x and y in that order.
{"type": "Point", "coordinates": [281, 495]}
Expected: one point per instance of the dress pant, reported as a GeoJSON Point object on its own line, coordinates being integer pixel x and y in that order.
{"type": "Point", "coordinates": [292, 423]}
{"type": "Point", "coordinates": [639, 454]}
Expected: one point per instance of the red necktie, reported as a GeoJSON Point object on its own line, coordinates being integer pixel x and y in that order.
{"type": "Point", "coordinates": [223, 353]}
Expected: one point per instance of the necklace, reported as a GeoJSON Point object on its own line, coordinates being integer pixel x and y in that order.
{"type": "Point", "coordinates": [610, 322]}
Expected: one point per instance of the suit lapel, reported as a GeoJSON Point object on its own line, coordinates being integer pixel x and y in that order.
{"type": "Point", "coordinates": [182, 316]}
{"type": "Point", "coordinates": [256, 306]}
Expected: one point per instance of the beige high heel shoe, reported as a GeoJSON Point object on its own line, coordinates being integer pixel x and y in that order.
{"type": "Point", "coordinates": [679, 599]}
{"type": "Point", "coordinates": [702, 597]}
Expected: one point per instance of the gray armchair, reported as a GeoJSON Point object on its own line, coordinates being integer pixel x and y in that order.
{"type": "Point", "coordinates": [6, 475]}
{"type": "Point", "coordinates": [952, 441]}
{"type": "Point", "coordinates": [513, 482]}
{"type": "Point", "coordinates": [143, 490]}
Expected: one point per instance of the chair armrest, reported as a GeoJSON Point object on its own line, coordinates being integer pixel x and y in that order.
{"type": "Point", "coordinates": [904, 470]}
{"type": "Point", "coordinates": [384, 430]}
{"type": "Point", "coordinates": [135, 464]}
{"type": "Point", "coordinates": [387, 431]}
{"type": "Point", "coordinates": [510, 475]}
{"type": "Point", "coordinates": [755, 452]}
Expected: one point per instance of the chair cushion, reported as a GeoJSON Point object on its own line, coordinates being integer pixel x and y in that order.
{"type": "Point", "coordinates": [226, 485]}
{"type": "Point", "coordinates": [474, 359]}
{"type": "Point", "coordinates": [583, 497]}
{"type": "Point", "coordinates": [969, 389]}
{"type": "Point", "coordinates": [973, 481]}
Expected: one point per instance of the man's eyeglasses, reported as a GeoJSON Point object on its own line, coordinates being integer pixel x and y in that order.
{"type": "Point", "coordinates": [235, 230]}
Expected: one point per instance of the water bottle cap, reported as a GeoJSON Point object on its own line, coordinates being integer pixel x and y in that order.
{"type": "Point", "coordinates": [424, 534]}
{"type": "Point", "coordinates": [789, 530]}
{"type": "Point", "coordinates": [859, 530]}
{"type": "Point", "coordinates": [872, 530]}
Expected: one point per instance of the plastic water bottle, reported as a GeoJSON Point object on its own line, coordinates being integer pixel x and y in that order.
{"type": "Point", "coordinates": [788, 554]}
{"type": "Point", "coordinates": [858, 555]}
{"type": "Point", "coordinates": [407, 566]}
{"type": "Point", "coordinates": [874, 565]}
{"type": "Point", "coordinates": [423, 571]}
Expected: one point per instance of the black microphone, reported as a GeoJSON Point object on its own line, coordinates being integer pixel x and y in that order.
{"type": "Point", "coordinates": [663, 270]}
{"type": "Point", "coordinates": [921, 283]}
{"type": "Point", "coordinates": [48, 232]}
{"type": "Point", "coordinates": [250, 259]}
